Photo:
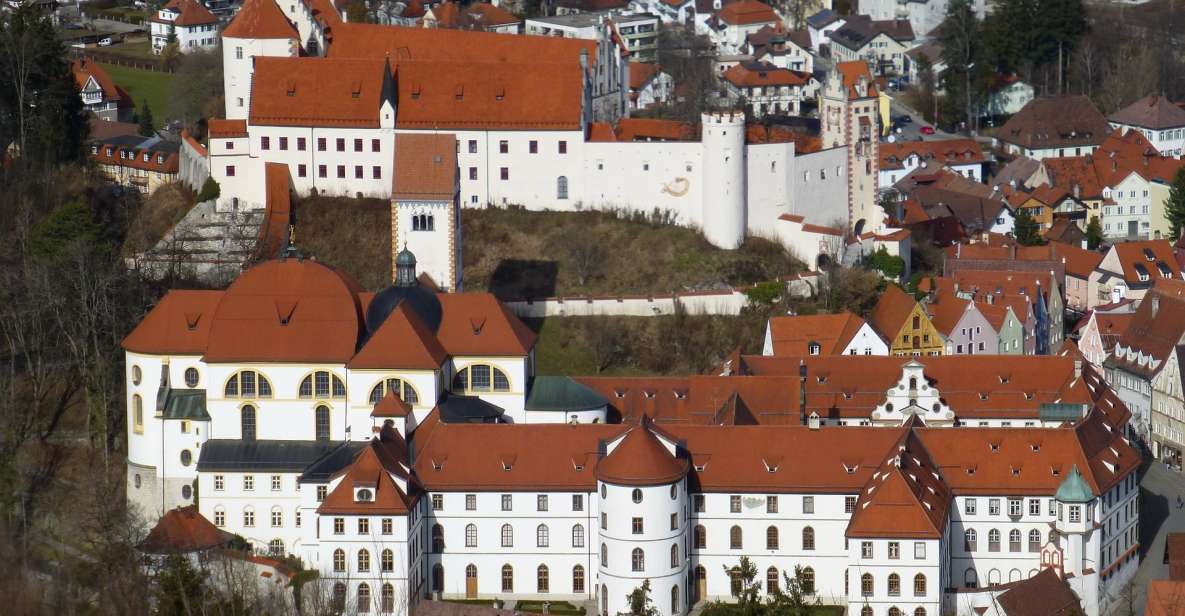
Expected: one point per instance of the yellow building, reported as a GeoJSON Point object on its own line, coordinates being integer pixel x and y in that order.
{"type": "Point", "coordinates": [900, 320]}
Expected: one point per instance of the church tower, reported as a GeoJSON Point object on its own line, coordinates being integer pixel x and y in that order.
{"type": "Point", "coordinates": [426, 208]}
{"type": "Point", "coordinates": [848, 104]}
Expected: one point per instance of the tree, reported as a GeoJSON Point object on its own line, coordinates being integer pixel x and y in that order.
{"type": "Point", "coordinates": [603, 339]}
{"type": "Point", "coordinates": [1174, 207]}
{"type": "Point", "coordinates": [892, 266]}
{"type": "Point", "coordinates": [749, 597]}
{"type": "Point", "coordinates": [963, 53]}
{"type": "Point", "coordinates": [197, 91]}
{"type": "Point", "coordinates": [1027, 231]}
{"type": "Point", "coordinates": [147, 129]}
{"type": "Point", "coordinates": [586, 256]}
{"type": "Point", "coordinates": [791, 598]}
{"type": "Point", "coordinates": [1094, 233]}
{"type": "Point", "coordinates": [639, 601]}
{"type": "Point", "coordinates": [356, 13]}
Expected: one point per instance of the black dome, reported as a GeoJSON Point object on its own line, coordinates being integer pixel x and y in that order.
{"type": "Point", "coordinates": [419, 299]}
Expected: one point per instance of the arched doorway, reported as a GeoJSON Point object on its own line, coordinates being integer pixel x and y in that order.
{"type": "Point", "coordinates": [471, 581]}
{"type": "Point", "coordinates": [701, 583]}
{"type": "Point", "coordinates": [604, 600]}
{"type": "Point", "coordinates": [675, 600]}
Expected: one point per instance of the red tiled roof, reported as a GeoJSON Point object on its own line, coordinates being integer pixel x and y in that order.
{"type": "Point", "coordinates": [906, 496]}
{"type": "Point", "coordinates": [260, 19]}
{"type": "Point", "coordinates": [747, 12]}
{"type": "Point", "coordinates": [277, 210]}
{"type": "Point", "coordinates": [402, 341]}
{"type": "Point", "coordinates": [852, 73]}
{"type": "Point", "coordinates": [1153, 111]}
{"type": "Point", "coordinates": [1133, 257]}
{"type": "Point", "coordinates": [391, 406]}
{"type": "Point", "coordinates": [159, 161]}
{"type": "Point", "coordinates": [191, 13]}
{"type": "Point", "coordinates": [478, 324]}
{"type": "Point", "coordinates": [183, 530]}
{"type": "Point", "coordinates": [949, 152]}
{"type": "Point", "coordinates": [178, 325]}
{"type": "Point", "coordinates": [84, 69]}
{"type": "Point", "coordinates": [463, 46]}
{"type": "Point", "coordinates": [368, 470]}
{"type": "Point", "coordinates": [832, 332]}
{"type": "Point", "coordinates": [641, 73]}
{"type": "Point", "coordinates": [641, 459]}
{"type": "Point", "coordinates": [891, 311]}
{"type": "Point", "coordinates": [425, 167]}
{"type": "Point", "coordinates": [315, 91]}
{"type": "Point", "coordinates": [227, 129]}
{"type": "Point", "coordinates": [754, 75]}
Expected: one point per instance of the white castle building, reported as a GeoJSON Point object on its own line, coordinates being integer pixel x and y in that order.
{"type": "Point", "coordinates": [401, 443]}
{"type": "Point", "coordinates": [530, 116]}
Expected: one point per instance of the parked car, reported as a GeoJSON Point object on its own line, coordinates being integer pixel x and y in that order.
{"type": "Point", "coordinates": [904, 119]}
{"type": "Point", "coordinates": [105, 42]}
{"type": "Point", "coordinates": [927, 130]}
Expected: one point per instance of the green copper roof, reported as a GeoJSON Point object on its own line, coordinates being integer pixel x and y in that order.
{"type": "Point", "coordinates": [1074, 489]}
{"type": "Point", "coordinates": [186, 404]}
{"type": "Point", "coordinates": [560, 393]}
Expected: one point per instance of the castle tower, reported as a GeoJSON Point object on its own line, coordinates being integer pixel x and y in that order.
{"type": "Point", "coordinates": [258, 29]}
{"type": "Point", "coordinates": [642, 491]}
{"type": "Point", "coordinates": [848, 104]}
{"type": "Point", "coordinates": [723, 140]}
{"type": "Point", "coordinates": [426, 207]}
{"type": "Point", "coordinates": [1078, 537]}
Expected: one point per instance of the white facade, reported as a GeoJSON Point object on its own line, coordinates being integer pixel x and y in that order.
{"type": "Point", "coordinates": [1126, 209]}
{"type": "Point", "coordinates": [189, 38]}
{"type": "Point", "coordinates": [1169, 141]}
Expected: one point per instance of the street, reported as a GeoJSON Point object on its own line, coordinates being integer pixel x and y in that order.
{"type": "Point", "coordinates": [1159, 516]}
{"type": "Point", "coordinates": [913, 130]}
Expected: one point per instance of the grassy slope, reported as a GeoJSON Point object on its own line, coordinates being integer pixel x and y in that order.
{"type": "Point", "coordinates": [350, 234]}
{"type": "Point", "coordinates": [160, 211]}
{"type": "Point", "coordinates": [142, 84]}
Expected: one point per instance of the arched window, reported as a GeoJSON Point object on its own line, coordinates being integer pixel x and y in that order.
{"type": "Point", "coordinates": [636, 496]}
{"type": "Point", "coordinates": [970, 580]}
{"type": "Point", "coordinates": [480, 377]}
{"type": "Point", "coordinates": [471, 536]}
{"type": "Point", "coordinates": [322, 384]}
{"type": "Point", "coordinates": [969, 540]}
{"type": "Point", "coordinates": [771, 580]}
{"type": "Point", "coordinates": [993, 577]}
{"type": "Point", "coordinates": [275, 548]}
{"type": "Point", "coordinates": [363, 598]}
{"type": "Point", "coordinates": [248, 516]}
{"type": "Point", "coordinates": [674, 600]}
{"type": "Point", "coordinates": [771, 538]}
{"type": "Point", "coordinates": [247, 384]}
{"type": "Point", "coordinates": [735, 581]}
{"type": "Point", "coordinates": [387, 561]}
{"type": "Point", "coordinates": [542, 581]}
{"type": "Point", "coordinates": [277, 517]}
{"type": "Point", "coordinates": [437, 538]}
{"type": "Point", "coordinates": [894, 611]}
{"type": "Point", "coordinates": [807, 583]}
{"type": "Point", "coordinates": [808, 538]}
{"type": "Point", "coordinates": [138, 413]}
{"type": "Point", "coordinates": [363, 560]}
{"type": "Point", "coordinates": [734, 538]}
{"type": "Point", "coordinates": [1014, 575]}
{"type": "Point", "coordinates": [1034, 540]}
{"type": "Point", "coordinates": [389, 593]}
{"type": "Point", "coordinates": [993, 540]}
{"type": "Point", "coordinates": [438, 577]}
{"type": "Point", "coordinates": [866, 611]}
{"type": "Point", "coordinates": [541, 536]}
{"type": "Point", "coordinates": [578, 536]}
{"type": "Point", "coordinates": [561, 187]}
{"type": "Point", "coordinates": [507, 578]}
{"type": "Point", "coordinates": [322, 422]}
{"type": "Point", "coordinates": [919, 585]}
{"type": "Point", "coordinates": [339, 597]}
{"type": "Point", "coordinates": [339, 560]}
{"type": "Point", "coordinates": [1014, 540]}
{"type": "Point", "coordinates": [578, 578]}
{"type": "Point", "coordinates": [638, 560]}
{"type": "Point", "coordinates": [674, 555]}
{"type": "Point", "coordinates": [247, 421]}
{"type": "Point", "coordinates": [894, 585]}
{"type": "Point", "coordinates": [399, 387]}
{"type": "Point", "coordinates": [507, 536]}
{"type": "Point", "coordinates": [604, 554]}
{"type": "Point", "coordinates": [866, 585]}
{"type": "Point", "coordinates": [921, 611]}
{"type": "Point", "coordinates": [701, 537]}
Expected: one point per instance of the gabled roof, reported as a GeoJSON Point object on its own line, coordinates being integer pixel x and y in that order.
{"type": "Point", "coordinates": [747, 12]}
{"type": "Point", "coordinates": [759, 74]}
{"type": "Point", "coordinates": [854, 73]}
{"type": "Point", "coordinates": [178, 325]}
{"type": "Point", "coordinates": [561, 393]}
{"type": "Point", "coordinates": [190, 13]}
{"type": "Point", "coordinates": [946, 313]}
{"type": "Point", "coordinates": [641, 459]}
{"type": "Point", "coordinates": [85, 69]}
{"type": "Point", "coordinates": [947, 152]}
{"type": "Point", "coordinates": [891, 311]}
{"type": "Point", "coordinates": [314, 91]}
{"type": "Point", "coordinates": [823, 18]}
{"type": "Point", "coordinates": [237, 455]}
{"type": "Point", "coordinates": [1056, 122]}
{"type": "Point", "coordinates": [391, 406]}
{"type": "Point", "coordinates": [260, 19]}
{"type": "Point", "coordinates": [905, 497]}
{"type": "Point", "coordinates": [1154, 112]}
{"type": "Point", "coordinates": [641, 73]}
{"type": "Point", "coordinates": [832, 332]}
{"type": "Point", "coordinates": [478, 324]}
{"type": "Point", "coordinates": [402, 341]}
{"type": "Point", "coordinates": [1151, 258]}
{"type": "Point", "coordinates": [183, 530]}
{"type": "Point", "coordinates": [858, 30]}
{"type": "Point", "coordinates": [1044, 594]}
{"type": "Point", "coordinates": [425, 167]}
{"type": "Point", "coordinates": [1153, 333]}
{"type": "Point", "coordinates": [372, 471]}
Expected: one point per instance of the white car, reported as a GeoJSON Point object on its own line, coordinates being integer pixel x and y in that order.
{"type": "Point", "coordinates": [105, 42]}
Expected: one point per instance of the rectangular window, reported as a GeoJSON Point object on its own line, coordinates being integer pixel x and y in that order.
{"type": "Point", "coordinates": [604, 521]}
{"type": "Point", "coordinates": [275, 483]}
{"type": "Point", "coordinates": [473, 173]}
{"type": "Point", "coordinates": [505, 173]}
{"type": "Point", "coordinates": [577, 502]}
{"type": "Point", "coordinates": [265, 143]}
{"type": "Point", "coordinates": [219, 482]}
{"type": "Point", "coordinates": [248, 482]}
{"type": "Point", "coordinates": [698, 501]}
{"type": "Point", "coordinates": [321, 144]}
{"type": "Point", "coordinates": [375, 145]}
{"type": "Point", "coordinates": [357, 145]}
{"type": "Point", "coordinates": [341, 144]}
{"type": "Point", "coordinates": [283, 143]}
{"type": "Point", "coordinates": [894, 550]}
{"type": "Point", "coordinates": [563, 147]}
{"type": "Point", "coordinates": [230, 171]}
{"type": "Point", "coordinates": [771, 504]}
{"type": "Point", "coordinates": [541, 502]}
{"type": "Point", "coordinates": [969, 506]}
{"type": "Point", "coordinates": [357, 172]}
{"type": "Point", "coordinates": [866, 549]}
{"type": "Point", "coordinates": [1034, 507]}
{"type": "Point", "coordinates": [363, 526]}
{"type": "Point", "coordinates": [437, 502]}
{"type": "Point", "coordinates": [387, 526]}
{"type": "Point", "coordinates": [301, 171]}
{"type": "Point", "coordinates": [376, 172]}
{"type": "Point", "coordinates": [993, 506]}
{"type": "Point", "coordinates": [674, 521]}
{"type": "Point", "coordinates": [808, 504]}
{"type": "Point", "coordinates": [322, 171]}
{"type": "Point", "coordinates": [849, 504]}
{"type": "Point", "coordinates": [534, 147]}
{"type": "Point", "coordinates": [919, 550]}
{"type": "Point", "coordinates": [503, 147]}
{"type": "Point", "coordinates": [734, 503]}
{"type": "Point", "coordinates": [506, 502]}
{"type": "Point", "coordinates": [636, 525]}
{"type": "Point", "coordinates": [341, 171]}
{"type": "Point", "coordinates": [321, 492]}
{"type": "Point", "coordinates": [1014, 507]}
{"type": "Point", "coordinates": [470, 502]}
{"type": "Point", "coordinates": [1075, 513]}
{"type": "Point", "coordinates": [473, 146]}
{"type": "Point", "coordinates": [339, 526]}
{"type": "Point", "coordinates": [300, 144]}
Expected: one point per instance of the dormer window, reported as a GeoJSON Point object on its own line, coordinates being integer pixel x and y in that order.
{"type": "Point", "coordinates": [814, 348]}
{"type": "Point", "coordinates": [995, 447]}
{"type": "Point", "coordinates": [363, 495]}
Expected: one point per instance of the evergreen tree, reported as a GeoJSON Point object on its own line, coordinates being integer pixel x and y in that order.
{"type": "Point", "coordinates": [179, 587]}
{"type": "Point", "coordinates": [963, 52]}
{"type": "Point", "coordinates": [1174, 207]}
{"type": "Point", "coordinates": [639, 601]}
{"type": "Point", "coordinates": [1027, 231]}
{"type": "Point", "coordinates": [1094, 233]}
{"type": "Point", "coordinates": [147, 129]}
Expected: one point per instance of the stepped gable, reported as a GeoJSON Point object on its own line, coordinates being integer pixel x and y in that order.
{"type": "Point", "coordinates": [183, 530]}
{"type": "Point", "coordinates": [178, 325]}
{"type": "Point", "coordinates": [372, 471]}
{"type": "Point", "coordinates": [287, 310]}
{"type": "Point", "coordinates": [641, 459]}
{"type": "Point", "coordinates": [402, 341]}
{"type": "Point", "coordinates": [906, 496]}
{"type": "Point", "coordinates": [478, 324]}
{"type": "Point", "coordinates": [260, 19]}
{"type": "Point", "coordinates": [1152, 333]}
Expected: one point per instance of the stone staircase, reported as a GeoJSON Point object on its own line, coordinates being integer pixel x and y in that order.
{"type": "Point", "coordinates": [209, 244]}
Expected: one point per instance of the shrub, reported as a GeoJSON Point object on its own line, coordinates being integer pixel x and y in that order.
{"type": "Point", "coordinates": [210, 190]}
{"type": "Point", "coordinates": [891, 266]}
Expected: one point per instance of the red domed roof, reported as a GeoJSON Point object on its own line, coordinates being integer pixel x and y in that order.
{"type": "Point", "coordinates": [287, 310]}
{"type": "Point", "coordinates": [641, 459]}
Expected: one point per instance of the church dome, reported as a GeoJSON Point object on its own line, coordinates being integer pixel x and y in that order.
{"type": "Point", "coordinates": [422, 301]}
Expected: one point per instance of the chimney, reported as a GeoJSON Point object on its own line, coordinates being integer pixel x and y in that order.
{"type": "Point", "coordinates": [802, 392]}
{"type": "Point", "coordinates": [1155, 305]}
{"type": "Point", "coordinates": [1077, 368]}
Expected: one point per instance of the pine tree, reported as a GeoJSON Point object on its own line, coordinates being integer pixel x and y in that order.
{"type": "Point", "coordinates": [1094, 233]}
{"type": "Point", "coordinates": [147, 128]}
{"type": "Point", "coordinates": [1174, 207]}
{"type": "Point", "coordinates": [1027, 232]}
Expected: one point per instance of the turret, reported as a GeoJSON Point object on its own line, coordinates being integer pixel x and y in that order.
{"type": "Point", "coordinates": [724, 178]}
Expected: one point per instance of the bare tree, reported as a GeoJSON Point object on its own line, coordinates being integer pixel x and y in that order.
{"type": "Point", "coordinates": [603, 340]}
